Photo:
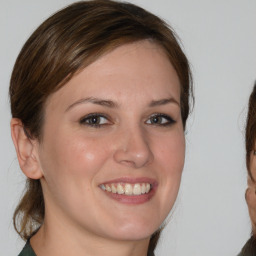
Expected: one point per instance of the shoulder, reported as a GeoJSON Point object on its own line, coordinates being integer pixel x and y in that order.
{"type": "Point", "coordinates": [27, 250]}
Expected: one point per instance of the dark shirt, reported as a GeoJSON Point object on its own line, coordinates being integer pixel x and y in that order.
{"type": "Point", "coordinates": [27, 250]}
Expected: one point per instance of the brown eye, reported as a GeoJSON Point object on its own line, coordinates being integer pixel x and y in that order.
{"type": "Point", "coordinates": [156, 119]}
{"type": "Point", "coordinates": [94, 120]}
{"type": "Point", "coordinates": [160, 119]}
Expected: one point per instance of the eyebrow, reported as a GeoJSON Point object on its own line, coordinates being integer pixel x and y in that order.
{"type": "Point", "coordinates": [101, 102]}
{"type": "Point", "coordinates": [112, 104]}
{"type": "Point", "coordinates": [161, 102]}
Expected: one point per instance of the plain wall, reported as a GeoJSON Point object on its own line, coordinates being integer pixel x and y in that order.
{"type": "Point", "coordinates": [219, 37]}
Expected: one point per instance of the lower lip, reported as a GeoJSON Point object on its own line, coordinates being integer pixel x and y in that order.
{"type": "Point", "coordinates": [132, 199]}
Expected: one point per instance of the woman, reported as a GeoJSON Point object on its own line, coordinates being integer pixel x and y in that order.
{"type": "Point", "coordinates": [249, 248]}
{"type": "Point", "coordinates": [99, 98]}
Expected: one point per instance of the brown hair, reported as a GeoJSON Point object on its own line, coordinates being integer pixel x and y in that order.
{"type": "Point", "coordinates": [250, 139]}
{"type": "Point", "coordinates": [250, 135]}
{"type": "Point", "coordinates": [63, 45]}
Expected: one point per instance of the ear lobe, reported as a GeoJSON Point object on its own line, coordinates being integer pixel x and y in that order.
{"type": "Point", "coordinates": [26, 150]}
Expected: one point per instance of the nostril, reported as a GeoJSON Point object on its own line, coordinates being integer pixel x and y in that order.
{"type": "Point", "coordinates": [128, 163]}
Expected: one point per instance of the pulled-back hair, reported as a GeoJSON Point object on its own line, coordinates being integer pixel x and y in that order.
{"type": "Point", "coordinates": [250, 139]}
{"type": "Point", "coordinates": [250, 135]}
{"type": "Point", "coordinates": [63, 45]}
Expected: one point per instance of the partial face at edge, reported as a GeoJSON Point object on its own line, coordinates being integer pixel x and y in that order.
{"type": "Point", "coordinates": [250, 194]}
{"type": "Point", "coordinates": [114, 128]}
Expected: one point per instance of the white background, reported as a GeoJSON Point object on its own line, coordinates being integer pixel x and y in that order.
{"type": "Point", "coordinates": [219, 37]}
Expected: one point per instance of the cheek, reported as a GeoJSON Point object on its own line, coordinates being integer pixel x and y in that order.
{"type": "Point", "coordinates": [87, 154]}
{"type": "Point", "coordinates": [71, 165]}
{"type": "Point", "coordinates": [171, 153]}
{"type": "Point", "coordinates": [171, 160]}
{"type": "Point", "coordinates": [72, 157]}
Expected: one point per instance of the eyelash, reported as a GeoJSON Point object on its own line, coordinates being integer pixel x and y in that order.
{"type": "Point", "coordinates": [88, 120]}
{"type": "Point", "coordinates": [169, 121]}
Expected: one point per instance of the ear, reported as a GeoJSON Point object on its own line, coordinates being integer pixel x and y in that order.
{"type": "Point", "coordinates": [250, 197]}
{"type": "Point", "coordinates": [26, 149]}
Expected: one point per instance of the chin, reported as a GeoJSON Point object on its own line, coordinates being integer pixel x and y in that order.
{"type": "Point", "coordinates": [133, 232]}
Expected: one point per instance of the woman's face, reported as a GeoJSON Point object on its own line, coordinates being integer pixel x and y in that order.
{"type": "Point", "coordinates": [250, 192]}
{"type": "Point", "coordinates": [112, 150]}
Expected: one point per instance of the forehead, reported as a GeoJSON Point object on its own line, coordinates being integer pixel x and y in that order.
{"type": "Point", "coordinates": [142, 67]}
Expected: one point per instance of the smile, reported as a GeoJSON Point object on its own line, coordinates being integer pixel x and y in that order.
{"type": "Point", "coordinates": [127, 188]}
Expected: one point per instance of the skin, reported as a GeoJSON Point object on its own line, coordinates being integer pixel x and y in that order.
{"type": "Point", "coordinates": [74, 158]}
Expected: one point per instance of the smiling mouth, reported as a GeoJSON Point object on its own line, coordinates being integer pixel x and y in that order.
{"type": "Point", "coordinates": [127, 189]}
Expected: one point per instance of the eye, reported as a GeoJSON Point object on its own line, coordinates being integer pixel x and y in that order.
{"type": "Point", "coordinates": [94, 120]}
{"type": "Point", "coordinates": [160, 119]}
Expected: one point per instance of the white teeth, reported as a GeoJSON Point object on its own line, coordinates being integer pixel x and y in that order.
{"type": "Point", "coordinates": [127, 188]}
{"type": "Point", "coordinates": [137, 189]}
{"type": "Point", "coordinates": [147, 187]}
{"type": "Point", "coordinates": [120, 189]}
{"type": "Point", "coordinates": [108, 188]}
{"type": "Point", "coordinates": [143, 188]}
{"type": "Point", "coordinates": [113, 188]}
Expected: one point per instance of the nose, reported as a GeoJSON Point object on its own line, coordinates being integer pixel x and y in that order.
{"type": "Point", "coordinates": [133, 148]}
